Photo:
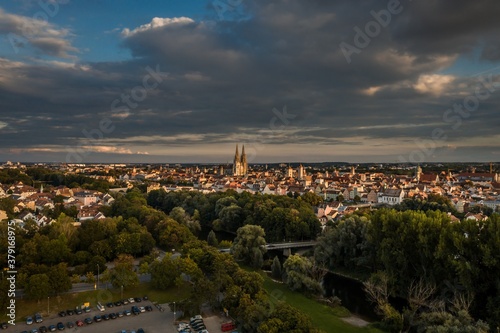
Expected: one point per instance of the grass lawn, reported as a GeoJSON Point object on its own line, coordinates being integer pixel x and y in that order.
{"type": "Point", "coordinates": [323, 317]}
{"type": "Point", "coordinates": [25, 308]}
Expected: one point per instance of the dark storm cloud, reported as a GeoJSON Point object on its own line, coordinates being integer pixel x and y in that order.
{"type": "Point", "coordinates": [221, 80]}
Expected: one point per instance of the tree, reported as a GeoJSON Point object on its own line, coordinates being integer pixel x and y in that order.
{"type": "Point", "coordinates": [299, 274]}
{"type": "Point", "coordinates": [249, 239]}
{"type": "Point", "coordinates": [276, 268]}
{"type": "Point", "coordinates": [286, 318]}
{"type": "Point", "coordinates": [37, 287]}
{"type": "Point", "coordinates": [59, 279]}
{"type": "Point", "coordinates": [212, 239]}
{"type": "Point", "coordinates": [163, 273]}
{"type": "Point", "coordinates": [258, 259]}
{"type": "Point", "coordinates": [123, 273]}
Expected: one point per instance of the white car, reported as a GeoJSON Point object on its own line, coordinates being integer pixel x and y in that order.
{"type": "Point", "coordinates": [100, 307]}
{"type": "Point", "coordinates": [131, 300]}
{"type": "Point", "coordinates": [142, 309]}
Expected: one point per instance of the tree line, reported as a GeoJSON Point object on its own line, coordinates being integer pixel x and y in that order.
{"type": "Point", "coordinates": [282, 217]}
{"type": "Point", "coordinates": [401, 249]}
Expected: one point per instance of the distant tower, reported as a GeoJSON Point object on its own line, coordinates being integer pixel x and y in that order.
{"type": "Point", "coordinates": [491, 167]}
{"type": "Point", "coordinates": [41, 188]}
{"type": "Point", "coordinates": [244, 163]}
{"type": "Point", "coordinates": [240, 165]}
{"type": "Point", "coordinates": [301, 172]}
{"type": "Point", "coordinates": [418, 173]}
{"type": "Point", "coordinates": [353, 170]}
{"type": "Point", "coordinates": [290, 172]}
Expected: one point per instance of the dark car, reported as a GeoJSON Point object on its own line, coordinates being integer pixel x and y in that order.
{"type": "Point", "coordinates": [112, 315]}
{"type": "Point", "coordinates": [97, 318]}
{"type": "Point", "coordinates": [88, 321]}
{"type": "Point", "coordinates": [70, 324]}
{"type": "Point", "coordinates": [60, 326]}
{"type": "Point", "coordinates": [140, 330]}
{"type": "Point", "coordinates": [105, 316]}
{"type": "Point", "coordinates": [38, 318]}
{"type": "Point", "coordinates": [70, 312]}
{"type": "Point", "coordinates": [78, 311]}
{"type": "Point", "coordinates": [42, 329]}
{"type": "Point", "coordinates": [52, 328]}
{"type": "Point", "coordinates": [110, 305]}
{"type": "Point", "coordinates": [149, 308]}
{"type": "Point", "coordinates": [127, 313]}
{"type": "Point", "coordinates": [87, 309]}
{"type": "Point", "coordinates": [120, 314]}
{"type": "Point", "coordinates": [137, 299]}
{"type": "Point", "coordinates": [4, 326]}
{"type": "Point", "coordinates": [62, 314]}
{"type": "Point", "coordinates": [118, 303]}
{"type": "Point", "coordinates": [79, 323]}
{"type": "Point", "coordinates": [135, 310]}
{"type": "Point", "coordinates": [145, 298]}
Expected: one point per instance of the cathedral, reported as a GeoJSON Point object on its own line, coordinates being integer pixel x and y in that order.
{"type": "Point", "coordinates": [240, 165]}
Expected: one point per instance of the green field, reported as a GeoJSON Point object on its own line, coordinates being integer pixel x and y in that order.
{"type": "Point", "coordinates": [55, 304]}
{"type": "Point", "coordinates": [323, 317]}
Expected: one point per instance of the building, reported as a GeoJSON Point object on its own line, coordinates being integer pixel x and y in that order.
{"type": "Point", "coordinates": [391, 196]}
{"type": "Point", "coordinates": [240, 164]}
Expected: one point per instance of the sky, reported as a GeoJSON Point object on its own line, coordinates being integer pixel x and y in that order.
{"type": "Point", "coordinates": [164, 81]}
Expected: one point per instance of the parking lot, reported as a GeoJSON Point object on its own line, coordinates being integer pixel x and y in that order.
{"type": "Point", "coordinates": [151, 322]}
{"type": "Point", "coordinates": [154, 321]}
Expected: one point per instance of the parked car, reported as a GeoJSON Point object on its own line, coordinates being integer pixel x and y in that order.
{"type": "Point", "coordinates": [140, 330]}
{"type": "Point", "coordinates": [4, 326]}
{"type": "Point", "coordinates": [86, 309]}
{"type": "Point", "coordinates": [105, 316]}
{"type": "Point", "coordinates": [62, 314]}
{"type": "Point", "coordinates": [137, 299]}
{"type": "Point", "coordinates": [127, 312]}
{"type": "Point", "coordinates": [88, 321]}
{"type": "Point", "coordinates": [110, 304]}
{"type": "Point", "coordinates": [78, 311]}
{"type": "Point", "coordinates": [120, 314]}
{"type": "Point", "coordinates": [145, 298]}
{"type": "Point", "coordinates": [112, 315]}
{"type": "Point", "coordinates": [60, 326]}
{"type": "Point", "coordinates": [100, 307]}
{"type": "Point", "coordinates": [70, 324]}
{"type": "Point", "coordinates": [79, 323]}
{"type": "Point", "coordinates": [34, 330]}
{"type": "Point", "coordinates": [131, 300]}
{"type": "Point", "coordinates": [97, 318]}
{"type": "Point", "coordinates": [29, 320]}
{"type": "Point", "coordinates": [38, 318]}
{"type": "Point", "coordinates": [43, 329]}
{"type": "Point", "coordinates": [125, 301]}
{"type": "Point", "coordinates": [149, 308]}
{"type": "Point", "coordinates": [142, 309]}
{"type": "Point", "coordinates": [135, 310]}
{"type": "Point", "coordinates": [52, 328]}
{"type": "Point", "coordinates": [70, 312]}
{"type": "Point", "coordinates": [118, 303]}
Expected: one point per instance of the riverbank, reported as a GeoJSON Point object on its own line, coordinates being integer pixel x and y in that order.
{"type": "Point", "coordinates": [330, 320]}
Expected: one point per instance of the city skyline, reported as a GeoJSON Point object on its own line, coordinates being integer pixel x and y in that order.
{"type": "Point", "coordinates": [292, 81]}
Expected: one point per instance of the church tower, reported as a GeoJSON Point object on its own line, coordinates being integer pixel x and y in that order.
{"type": "Point", "coordinates": [244, 163]}
{"type": "Point", "coordinates": [301, 172]}
{"type": "Point", "coordinates": [240, 164]}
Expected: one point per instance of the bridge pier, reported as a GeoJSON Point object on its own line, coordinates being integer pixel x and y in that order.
{"type": "Point", "coordinates": [287, 252]}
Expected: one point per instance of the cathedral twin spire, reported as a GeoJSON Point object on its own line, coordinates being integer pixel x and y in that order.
{"type": "Point", "coordinates": [240, 165]}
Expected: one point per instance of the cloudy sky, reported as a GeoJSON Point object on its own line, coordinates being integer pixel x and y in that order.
{"type": "Point", "coordinates": [293, 80]}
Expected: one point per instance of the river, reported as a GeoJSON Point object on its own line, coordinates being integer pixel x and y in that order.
{"type": "Point", "coordinates": [351, 294]}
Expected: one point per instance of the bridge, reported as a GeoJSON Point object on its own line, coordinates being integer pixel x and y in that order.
{"type": "Point", "coordinates": [285, 246]}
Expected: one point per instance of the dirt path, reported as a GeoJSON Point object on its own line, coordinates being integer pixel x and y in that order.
{"type": "Point", "coordinates": [355, 321]}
